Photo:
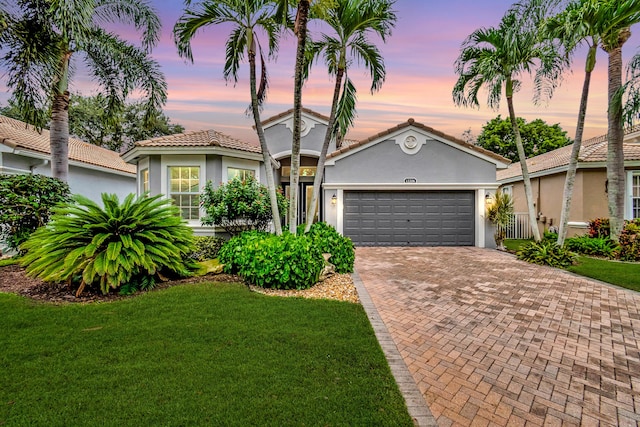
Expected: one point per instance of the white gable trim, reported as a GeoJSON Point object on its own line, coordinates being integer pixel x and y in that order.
{"type": "Point", "coordinates": [309, 121]}
{"type": "Point", "coordinates": [423, 137]}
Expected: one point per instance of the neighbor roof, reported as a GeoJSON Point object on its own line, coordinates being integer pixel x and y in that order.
{"type": "Point", "coordinates": [591, 151]}
{"type": "Point", "coordinates": [412, 123]}
{"type": "Point", "coordinates": [199, 138]}
{"type": "Point", "coordinates": [19, 135]}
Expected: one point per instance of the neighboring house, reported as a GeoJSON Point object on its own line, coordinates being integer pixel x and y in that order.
{"type": "Point", "coordinates": [589, 201]}
{"type": "Point", "coordinates": [92, 170]}
{"type": "Point", "coordinates": [406, 186]}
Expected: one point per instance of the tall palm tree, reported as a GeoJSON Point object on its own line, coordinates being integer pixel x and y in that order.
{"type": "Point", "coordinates": [496, 57]}
{"type": "Point", "coordinates": [303, 9]}
{"type": "Point", "coordinates": [43, 38]}
{"type": "Point", "coordinates": [351, 21]}
{"type": "Point", "coordinates": [617, 17]}
{"type": "Point", "coordinates": [247, 17]}
{"type": "Point", "coordinates": [575, 25]}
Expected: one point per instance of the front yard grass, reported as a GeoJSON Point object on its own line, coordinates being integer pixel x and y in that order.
{"type": "Point", "coordinates": [623, 274]}
{"type": "Point", "coordinates": [207, 354]}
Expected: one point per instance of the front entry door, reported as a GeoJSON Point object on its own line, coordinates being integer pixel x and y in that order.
{"type": "Point", "coordinates": [305, 193]}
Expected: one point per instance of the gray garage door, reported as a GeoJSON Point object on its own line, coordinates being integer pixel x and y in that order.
{"type": "Point", "coordinates": [420, 218]}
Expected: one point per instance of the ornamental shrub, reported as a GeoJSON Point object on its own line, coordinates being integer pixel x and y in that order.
{"type": "Point", "coordinates": [596, 246]}
{"type": "Point", "coordinates": [328, 240]}
{"type": "Point", "coordinates": [135, 243]}
{"type": "Point", "coordinates": [546, 252]}
{"type": "Point", "coordinates": [207, 247]}
{"type": "Point", "coordinates": [239, 205]}
{"type": "Point", "coordinates": [599, 227]}
{"type": "Point", "coordinates": [25, 204]}
{"type": "Point", "coordinates": [629, 242]}
{"type": "Point", "coordinates": [280, 262]}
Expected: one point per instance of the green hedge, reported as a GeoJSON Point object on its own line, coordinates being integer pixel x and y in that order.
{"type": "Point", "coordinates": [270, 261]}
{"type": "Point", "coordinates": [328, 240]}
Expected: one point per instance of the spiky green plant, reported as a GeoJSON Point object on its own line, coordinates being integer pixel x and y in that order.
{"type": "Point", "coordinates": [112, 246]}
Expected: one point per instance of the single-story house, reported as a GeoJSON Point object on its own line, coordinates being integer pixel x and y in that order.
{"type": "Point", "coordinates": [409, 185]}
{"type": "Point", "coordinates": [589, 200]}
{"type": "Point", "coordinates": [93, 170]}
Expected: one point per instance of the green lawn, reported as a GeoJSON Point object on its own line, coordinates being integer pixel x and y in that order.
{"type": "Point", "coordinates": [624, 274]}
{"type": "Point", "coordinates": [209, 354]}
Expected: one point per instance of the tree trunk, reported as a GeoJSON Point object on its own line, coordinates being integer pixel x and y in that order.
{"type": "Point", "coordinates": [266, 156]}
{"type": "Point", "coordinates": [317, 180]}
{"type": "Point", "coordinates": [59, 136]}
{"type": "Point", "coordinates": [615, 154]}
{"type": "Point", "coordinates": [575, 151]}
{"type": "Point", "coordinates": [533, 220]}
{"type": "Point", "coordinates": [301, 32]}
{"type": "Point", "coordinates": [59, 129]}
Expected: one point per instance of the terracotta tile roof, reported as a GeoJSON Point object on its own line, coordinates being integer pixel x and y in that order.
{"type": "Point", "coordinates": [289, 111]}
{"type": "Point", "coordinates": [591, 150]}
{"type": "Point", "coordinates": [411, 122]}
{"type": "Point", "coordinates": [17, 134]}
{"type": "Point", "coordinates": [199, 138]}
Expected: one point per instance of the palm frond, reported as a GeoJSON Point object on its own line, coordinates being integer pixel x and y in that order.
{"type": "Point", "coordinates": [139, 13]}
{"type": "Point", "coordinates": [346, 109]}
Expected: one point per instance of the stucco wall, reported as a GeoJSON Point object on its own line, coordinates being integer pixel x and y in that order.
{"type": "Point", "coordinates": [436, 162]}
{"type": "Point", "coordinates": [588, 201]}
{"type": "Point", "coordinates": [90, 183]}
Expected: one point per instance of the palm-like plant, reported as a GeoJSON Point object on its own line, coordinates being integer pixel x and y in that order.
{"type": "Point", "coordinates": [351, 21]}
{"type": "Point", "coordinates": [616, 19]}
{"type": "Point", "coordinates": [496, 57]}
{"type": "Point", "coordinates": [111, 246]}
{"type": "Point", "coordinates": [500, 213]}
{"type": "Point", "coordinates": [575, 25]}
{"type": "Point", "coordinates": [248, 17]}
{"type": "Point", "coordinates": [44, 37]}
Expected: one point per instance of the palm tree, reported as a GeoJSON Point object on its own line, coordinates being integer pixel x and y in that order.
{"type": "Point", "coordinates": [303, 9]}
{"type": "Point", "coordinates": [247, 18]}
{"type": "Point", "coordinates": [495, 57]}
{"type": "Point", "coordinates": [617, 17]}
{"type": "Point", "coordinates": [351, 21]}
{"type": "Point", "coordinates": [43, 38]}
{"type": "Point", "coordinates": [575, 25]}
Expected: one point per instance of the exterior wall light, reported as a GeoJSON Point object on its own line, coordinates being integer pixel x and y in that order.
{"type": "Point", "coordinates": [334, 200]}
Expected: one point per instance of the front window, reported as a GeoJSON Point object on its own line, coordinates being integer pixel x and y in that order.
{"type": "Point", "coordinates": [635, 187]}
{"type": "Point", "coordinates": [184, 190]}
{"type": "Point", "coordinates": [144, 177]}
{"type": "Point", "coordinates": [233, 173]}
{"type": "Point", "coordinates": [304, 171]}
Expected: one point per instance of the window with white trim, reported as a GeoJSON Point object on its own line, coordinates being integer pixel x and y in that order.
{"type": "Point", "coordinates": [144, 178]}
{"type": "Point", "coordinates": [184, 190]}
{"type": "Point", "coordinates": [507, 189]}
{"type": "Point", "coordinates": [635, 196]}
{"type": "Point", "coordinates": [233, 173]}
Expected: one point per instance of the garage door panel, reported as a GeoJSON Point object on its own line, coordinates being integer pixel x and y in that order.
{"type": "Point", "coordinates": [419, 218]}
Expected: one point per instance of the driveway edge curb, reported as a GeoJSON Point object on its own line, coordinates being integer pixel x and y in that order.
{"type": "Point", "coordinates": [417, 406]}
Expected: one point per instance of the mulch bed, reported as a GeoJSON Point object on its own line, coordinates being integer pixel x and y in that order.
{"type": "Point", "coordinates": [14, 280]}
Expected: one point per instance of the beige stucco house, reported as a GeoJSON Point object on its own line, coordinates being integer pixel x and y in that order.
{"type": "Point", "coordinates": [589, 201]}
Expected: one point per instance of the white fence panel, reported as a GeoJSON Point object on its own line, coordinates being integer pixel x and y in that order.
{"type": "Point", "coordinates": [518, 227]}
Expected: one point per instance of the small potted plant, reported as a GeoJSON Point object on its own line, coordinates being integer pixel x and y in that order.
{"type": "Point", "coordinates": [499, 213]}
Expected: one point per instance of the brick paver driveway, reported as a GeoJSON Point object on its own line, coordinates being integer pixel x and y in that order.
{"type": "Point", "coordinates": [491, 340]}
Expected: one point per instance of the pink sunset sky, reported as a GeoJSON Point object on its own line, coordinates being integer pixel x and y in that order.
{"type": "Point", "coordinates": [419, 59]}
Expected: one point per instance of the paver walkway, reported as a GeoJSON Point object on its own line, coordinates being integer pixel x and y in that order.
{"type": "Point", "coordinates": [491, 340]}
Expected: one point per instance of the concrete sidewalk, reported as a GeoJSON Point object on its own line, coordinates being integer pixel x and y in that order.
{"type": "Point", "coordinates": [490, 340]}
